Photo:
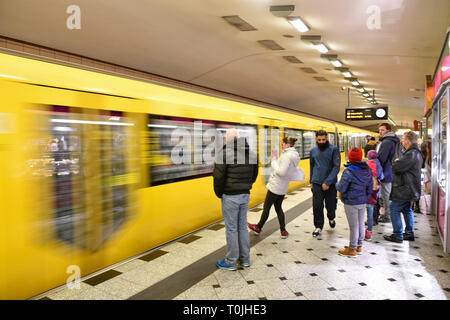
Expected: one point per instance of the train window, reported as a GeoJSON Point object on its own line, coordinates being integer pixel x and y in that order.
{"type": "Point", "coordinates": [341, 142]}
{"type": "Point", "coordinates": [332, 138]}
{"type": "Point", "coordinates": [293, 133]}
{"type": "Point", "coordinates": [442, 172]}
{"type": "Point", "coordinates": [309, 142]}
{"type": "Point", "coordinates": [185, 148]}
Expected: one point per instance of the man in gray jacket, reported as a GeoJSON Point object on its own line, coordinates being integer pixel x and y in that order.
{"type": "Point", "coordinates": [406, 188]}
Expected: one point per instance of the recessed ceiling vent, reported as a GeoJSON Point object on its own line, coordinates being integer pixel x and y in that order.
{"type": "Point", "coordinates": [292, 59]}
{"type": "Point", "coordinates": [270, 44]}
{"type": "Point", "coordinates": [239, 23]}
{"type": "Point", "coordinates": [309, 70]}
{"type": "Point", "coordinates": [320, 78]}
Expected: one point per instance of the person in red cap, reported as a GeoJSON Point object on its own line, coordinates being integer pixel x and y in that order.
{"type": "Point", "coordinates": [354, 188]}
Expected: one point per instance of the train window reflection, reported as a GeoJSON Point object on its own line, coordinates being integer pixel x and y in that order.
{"type": "Point", "coordinates": [185, 148]}
{"type": "Point", "coordinates": [332, 138]}
{"type": "Point", "coordinates": [80, 159]}
{"type": "Point", "coordinates": [309, 142]}
{"type": "Point", "coordinates": [293, 133]}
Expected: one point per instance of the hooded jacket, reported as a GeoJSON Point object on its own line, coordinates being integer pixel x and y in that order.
{"type": "Point", "coordinates": [283, 170]}
{"type": "Point", "coordinates": [237, 170]}
{"type": "Point", "coordinates": [386, 153]}
{"type": "Point", "coordinates": [406, 185]}
{"type": "Point", "coordinates": [356, 183]}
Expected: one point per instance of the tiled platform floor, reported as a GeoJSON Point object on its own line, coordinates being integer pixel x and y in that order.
{"type": "Point", "coordinates": [299, 267]}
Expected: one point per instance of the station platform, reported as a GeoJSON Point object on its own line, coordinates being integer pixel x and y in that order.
{"type": "Point", "coordinates": [297, 268]}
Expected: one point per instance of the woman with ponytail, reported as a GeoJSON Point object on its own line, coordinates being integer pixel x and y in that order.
{"type": "Point", "coordinates": [283, 170]}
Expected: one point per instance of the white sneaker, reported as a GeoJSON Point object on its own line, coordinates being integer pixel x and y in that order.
{"type": "Point", "coordinates": [317, 232]}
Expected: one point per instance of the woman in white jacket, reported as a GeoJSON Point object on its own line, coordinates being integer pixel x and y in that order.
{"type": "Point", "coordinates": [283, 170]}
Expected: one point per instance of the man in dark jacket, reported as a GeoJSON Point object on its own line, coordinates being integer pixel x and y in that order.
{"type": "Point", "coordinates": [235, 171]}
{"type": "Point", "coordinates": [406, 188]}
{"type": "Point", "coordinates": [371, 145]}
{"type": "Point", "coordinates": [386, 151]}
{"type": "Point", "coordinates": [325, 163]}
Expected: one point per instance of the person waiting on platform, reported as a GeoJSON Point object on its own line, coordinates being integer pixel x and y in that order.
{"type": "Point", "coordinates": [377, 172]}
{"type": "Point", "coordinates": [325, 163]}
{"type": "Point", "coordinates": [386, 151]}
{"type": "Point", "coordinates": [406, 188]}
{"type": "Point", "coordinates": [283, 170]}
{"type": "Point", "coordinates": [371, 145]}
{"type": "Point", "coordinates": [232, 183]}
{"type": "Point", "coordinates": [355, 188]}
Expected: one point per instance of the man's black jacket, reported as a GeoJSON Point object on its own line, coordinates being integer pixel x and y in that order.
{"type": "Point", "coordinates": [230, 177]}
{"type": "Point", "coordinates": [406, 185]}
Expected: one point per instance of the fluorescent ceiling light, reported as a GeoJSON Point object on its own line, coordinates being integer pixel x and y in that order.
{"type": "Point", "coordinates": [347, 74]}
{"type": "Point", "coordinates": [322, 48]}
{"type": "Point", "coordinates": [370, 98]}
{"type": "Point", "coordinates": [360, 89]}
{"type": "Point", "coordinates": [355, 83]}
{"type": "Point", "coordinates": [337, 63]}
{"type": "Point", "coordinates": [365, 94]}
{"type": "Point", "coordinates": [298, 24]}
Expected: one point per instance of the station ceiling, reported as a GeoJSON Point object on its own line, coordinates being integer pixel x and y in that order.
{"type": "Point", "coordinates": [388, 45]}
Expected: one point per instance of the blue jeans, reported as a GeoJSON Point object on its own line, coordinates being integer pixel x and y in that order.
{"type": "Point", "coordinates": [397, 208]}
{"type": "Point", "coordinates": [234, 211]}
{"type": "Point", "coordinates": [370, 208]}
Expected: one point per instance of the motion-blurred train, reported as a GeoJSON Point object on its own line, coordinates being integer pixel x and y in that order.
{"type": "Point", "coordinates": [87, 171]}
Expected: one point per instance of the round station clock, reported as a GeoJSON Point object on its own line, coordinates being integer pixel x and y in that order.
{"type": "Point", "coordinates": [380, 113]}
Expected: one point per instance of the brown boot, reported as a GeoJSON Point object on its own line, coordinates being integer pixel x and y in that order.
{"type": "Point", "coordinates": [358, 249]}
{"type": "Point", "coordinates": [348, 252]}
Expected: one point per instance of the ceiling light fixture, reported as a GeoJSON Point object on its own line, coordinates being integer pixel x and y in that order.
{"type": "Point", "coordinates": [347, 74]}
{"type": "Point", "coordinates": [360, 89]}
{"type": "Point", "coordinates": [298, 24]}
{"type": "Point", "coordinates": [365, 94]}
{"type": "Point", "coordinates": [321, 47]}
{"type": "Point", "coordinates": [337, 63]}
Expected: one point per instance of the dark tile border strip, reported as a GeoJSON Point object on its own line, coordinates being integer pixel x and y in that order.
{"type": "Point", "coordinates": [174, 285]}
{"type": "Point", "coordinates": [102, 277]}
{"type": "Point", "coordinates": [153, 255]}
{"type": "Point", "coordinates": [217, 227]}
{"type": "Point", "coordinates": [189, 239]}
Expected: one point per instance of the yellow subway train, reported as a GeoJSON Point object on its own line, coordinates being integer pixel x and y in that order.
{"type": "Point", "coordinates": [96, 168]}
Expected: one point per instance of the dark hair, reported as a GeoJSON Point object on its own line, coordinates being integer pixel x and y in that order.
{"type": "Point", "coordinates": [372, 138]}
{"type": "Point", "coordinates": [387, 125]}
{"type": "Point", "coordinates": [321, 133]}
{"type": "Point", "coordinates": [290, 141]}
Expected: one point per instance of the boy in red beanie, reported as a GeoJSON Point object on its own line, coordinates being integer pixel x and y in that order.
{"type": "Point", "coordinates": [354, 188]}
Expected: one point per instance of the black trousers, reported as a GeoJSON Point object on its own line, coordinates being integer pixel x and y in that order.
{"type": "Point", "coordinates": [319, 196]}
{"type": "Point", "coordinates": [276, 200]}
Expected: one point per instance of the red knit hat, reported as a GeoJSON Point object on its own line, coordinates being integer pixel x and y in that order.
{"type": "Point", "coordinates": [355, 155]}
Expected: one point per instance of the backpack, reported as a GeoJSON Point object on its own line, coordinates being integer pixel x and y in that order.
{"type": "Point", "coordinates": [373, 166]}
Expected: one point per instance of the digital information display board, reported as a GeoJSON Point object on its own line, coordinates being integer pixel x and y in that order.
{"type": "Point", "coordinates": [378, 113]}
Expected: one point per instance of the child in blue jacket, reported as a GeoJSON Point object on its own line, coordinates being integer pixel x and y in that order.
{"type": "Point", "coordinates": [354, 188]}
